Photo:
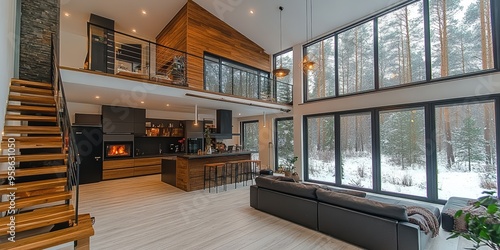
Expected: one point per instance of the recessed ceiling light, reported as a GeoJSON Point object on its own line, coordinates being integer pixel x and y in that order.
{"type": "Point", "coordinates": [144, 12]}
{"type": "Point", "coordinates": [251, 11]}
{"type": "Point", "coordinates": [97, 97]}
{"type": "Point", "coordinates": [142, 102]}
{"type": "Point", "coordinates": [133, 30]}
{"type": "Point", "coordinates": [239, 113]}
{"type": "Point", "coordinates": [67, 14]}
{"type": "Point", "coordinates": [168, 105]}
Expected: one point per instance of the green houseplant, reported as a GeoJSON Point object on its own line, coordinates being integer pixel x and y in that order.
{"type": "Point", "coordinates": [483, 223]}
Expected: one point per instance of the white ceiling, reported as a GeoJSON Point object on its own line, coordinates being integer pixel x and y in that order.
{"type": "Point", "coordinates": [262, 27]}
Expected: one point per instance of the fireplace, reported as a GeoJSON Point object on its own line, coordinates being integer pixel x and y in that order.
{"type": "Point", "coordinates": [117, 149]}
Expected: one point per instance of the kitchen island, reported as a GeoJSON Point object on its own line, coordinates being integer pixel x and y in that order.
{"type": "Point", "coordinates": [189, 168]}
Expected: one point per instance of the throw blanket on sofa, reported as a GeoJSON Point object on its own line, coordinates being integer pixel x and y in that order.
{"type": "Point", "coordinates": [424, 218]}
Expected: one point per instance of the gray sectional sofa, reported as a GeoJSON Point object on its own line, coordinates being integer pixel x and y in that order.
{"type": "Point", "coordinates": [370, 222]}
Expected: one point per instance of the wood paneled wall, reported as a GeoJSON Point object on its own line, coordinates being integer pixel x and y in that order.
{"type": "Point", "coordinates": [205, 32]}
{"type": "Point", "coordinates": [174, 35]}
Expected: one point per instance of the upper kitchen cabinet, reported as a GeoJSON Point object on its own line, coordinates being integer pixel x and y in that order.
{"type": "Point", "coordinates": [122, 120]}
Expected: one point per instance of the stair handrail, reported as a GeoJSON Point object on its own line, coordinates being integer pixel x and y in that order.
{"type": "Point", "coordinates": [63, 120]}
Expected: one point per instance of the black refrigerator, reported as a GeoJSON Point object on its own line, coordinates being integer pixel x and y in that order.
{"type": "Point", "coordinates": [89, 143]}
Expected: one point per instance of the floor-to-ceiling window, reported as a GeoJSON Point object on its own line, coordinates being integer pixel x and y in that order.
{"type": "Point", "coordinates": [320, 143]}
{"type": "Point", "coordinates": [283, 137]}
{"type": "Point", "coordinates": [402, 151]}
{"type": "Point", "coordinates": [466, 149]}
{"type": "Point", "coordinates": [356, 150]}
{"type": "Point", "coordinates": [250, 135]}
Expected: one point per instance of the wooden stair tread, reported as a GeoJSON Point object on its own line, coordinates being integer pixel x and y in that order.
{"type": "Point", "coordinates": [34, 157]}
{"type": "Point", "coordinates": [31, 144]}
{"type": "Point", "coordinates": [32, 99]}
{"type": "Point", "coordinates": [33, 185]}
{"type": "Point", "coordinates": [36, 200]}
{"type": "Point", "coordinates": [20, 172]}
{"type": "Point", "coordinates": [42, 85]}
{"type": "Point", "coordinates": [37, 118]}
{"type": "Point", "coordinates": [83, 230]}
{"type": "Point", "coordinates": [30, 90]}
{"type": "Point", "coordinates": [32, 130]}
{"type": "Point", "coordinates": [38, 218]}
{"type": "Point", "coordinates": [37, 109]}
{"type": "Point", "coordinates": [33, 138]}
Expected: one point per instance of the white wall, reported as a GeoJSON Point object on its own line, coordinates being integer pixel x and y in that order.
{"type": "Point", "coordinates": [73, 50]}
{"type": "Point", "coordinates": [7, 47]}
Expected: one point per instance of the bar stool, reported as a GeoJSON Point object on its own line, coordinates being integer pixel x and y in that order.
{"type": "Point", "coordinates": [243, 171]}
{"type": "Point", "coordinates": [250, 168]}
{"type": "Point", "coordinates": [213, 167]}
{"type": "Point", "coordinates": [232, 167]}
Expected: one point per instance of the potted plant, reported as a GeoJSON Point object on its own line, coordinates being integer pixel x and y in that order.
{"type": "Point", "coordinates": [289, 166]}
{"type": "Point", "coordinates": [483, 223]}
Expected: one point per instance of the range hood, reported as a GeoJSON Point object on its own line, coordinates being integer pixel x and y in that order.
{"type": "Point", "coordinates": [224, 123]}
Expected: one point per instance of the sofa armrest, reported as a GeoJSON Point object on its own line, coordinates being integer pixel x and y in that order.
{"type": "Point", "coordinates": [254, 196]}
{"type": "Point", "coordinates": [410, 237]}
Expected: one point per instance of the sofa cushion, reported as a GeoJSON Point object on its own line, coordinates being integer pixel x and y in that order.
{"type": "Point", "coordinates": [360, 204]}
{"type": "Point", "coordinates": [293, 188]}
{"type": "Point", "coordinates": [345, 191]}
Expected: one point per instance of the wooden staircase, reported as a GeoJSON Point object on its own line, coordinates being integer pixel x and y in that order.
{"type": "Point", "coordinates": [34, 174]}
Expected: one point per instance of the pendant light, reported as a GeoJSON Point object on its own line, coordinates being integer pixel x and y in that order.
{"type": "Point", "coordinates": [196, 115]}
{"type": "Point", "coordinates": [281, 72]}
{"type": "Point", "coordinates": [307, 63]}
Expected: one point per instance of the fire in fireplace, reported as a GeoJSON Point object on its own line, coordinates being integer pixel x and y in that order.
{"type": "Point", "coordinates": [118, 149]}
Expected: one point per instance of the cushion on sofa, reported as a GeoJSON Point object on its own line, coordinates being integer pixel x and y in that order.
{"type": "Point", "coordinates": [363, 205]}
{"type": "Point", "coordinates": [293, 188]}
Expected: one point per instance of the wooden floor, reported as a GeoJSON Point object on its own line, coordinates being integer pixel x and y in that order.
{"type": "Point", "coordinates": [145, 213]}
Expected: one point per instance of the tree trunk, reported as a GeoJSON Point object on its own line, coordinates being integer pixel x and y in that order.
{"type": "Point", "coordinates": [409, 71]}
{"type": "Point", "coordinates": [447, 130]}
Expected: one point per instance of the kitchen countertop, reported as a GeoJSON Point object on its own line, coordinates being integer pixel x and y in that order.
{"type": "Point", "coordinates": [196, 156]}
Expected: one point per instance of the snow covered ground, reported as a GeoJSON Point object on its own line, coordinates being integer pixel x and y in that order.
{"type": "Point", "coordinates": [411, 181]}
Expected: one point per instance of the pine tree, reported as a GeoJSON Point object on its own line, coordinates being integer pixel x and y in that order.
{"type": "Point", "coordinates": [469, 142]}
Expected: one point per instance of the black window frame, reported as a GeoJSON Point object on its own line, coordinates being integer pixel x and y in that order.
{"type": "Point", "coordinates": [430, 143]}
{"type": "Point", "coordinates": [495, 22]}
{"type": "Point", "coordinates": [276, 136]}
{"type": "Point", "coordinates": [242, 131]}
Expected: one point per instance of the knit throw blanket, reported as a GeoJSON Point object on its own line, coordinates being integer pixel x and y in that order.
{"type": "Point", "coordinates": [424, 218]}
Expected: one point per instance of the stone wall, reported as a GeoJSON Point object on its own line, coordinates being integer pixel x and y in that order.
{"type": "Point", "coordinates": [39, 20]}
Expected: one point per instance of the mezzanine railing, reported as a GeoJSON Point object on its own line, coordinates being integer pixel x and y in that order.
{"type": "Point", "coordinates": [121, 54]}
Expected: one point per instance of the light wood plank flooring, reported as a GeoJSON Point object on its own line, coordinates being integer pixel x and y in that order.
{"type": "Point", "coordinates": [145, 213]}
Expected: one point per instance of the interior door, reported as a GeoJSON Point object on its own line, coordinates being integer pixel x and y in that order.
{"type": "Point", "coordinates": [89, 142]}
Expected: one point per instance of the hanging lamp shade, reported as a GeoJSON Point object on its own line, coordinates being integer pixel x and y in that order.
{"type": "Point", "coordinates": [281, 72]}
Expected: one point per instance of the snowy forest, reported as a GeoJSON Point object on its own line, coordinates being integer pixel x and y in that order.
{"type": "Point", "coordinates": [464, 134]}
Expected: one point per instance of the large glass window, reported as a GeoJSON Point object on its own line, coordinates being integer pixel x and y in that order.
{"type": "Point", "coordinates": [321, 79]}
{"type": "Point", "coordinates": [225, 76]}
{"type": "Point", "coordinates": [321, 148]}
{"type": "Point", "coordinates": [402, 151]}
{"type": "Point", "coordinates": [401, 46]}
{"type": "Point", "coordinates": [461, 37]}
{"type": "Point", "coordinates": [465, 142]}
{"type": "Point", "coordinates": [356, 150]}
{"type": "Point", "coordinates": [461, 41]}
{"type": "Point", "coordinates": [284, 140]}
{"type": "Point", "coordinates": [356, 59]}
{"type": "Point", "coordinates": [250, 135]}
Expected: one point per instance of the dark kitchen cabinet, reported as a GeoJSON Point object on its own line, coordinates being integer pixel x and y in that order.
{"type": "Point", "coordinates": [89, 143]}
{"type": "Point", "coordinates": [139, 122]}
{"type": "Point", "coordinates": [123, 120]}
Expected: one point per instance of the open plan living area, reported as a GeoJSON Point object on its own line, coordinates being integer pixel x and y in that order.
{"type": "Point", "coordinates": [231, 124]}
